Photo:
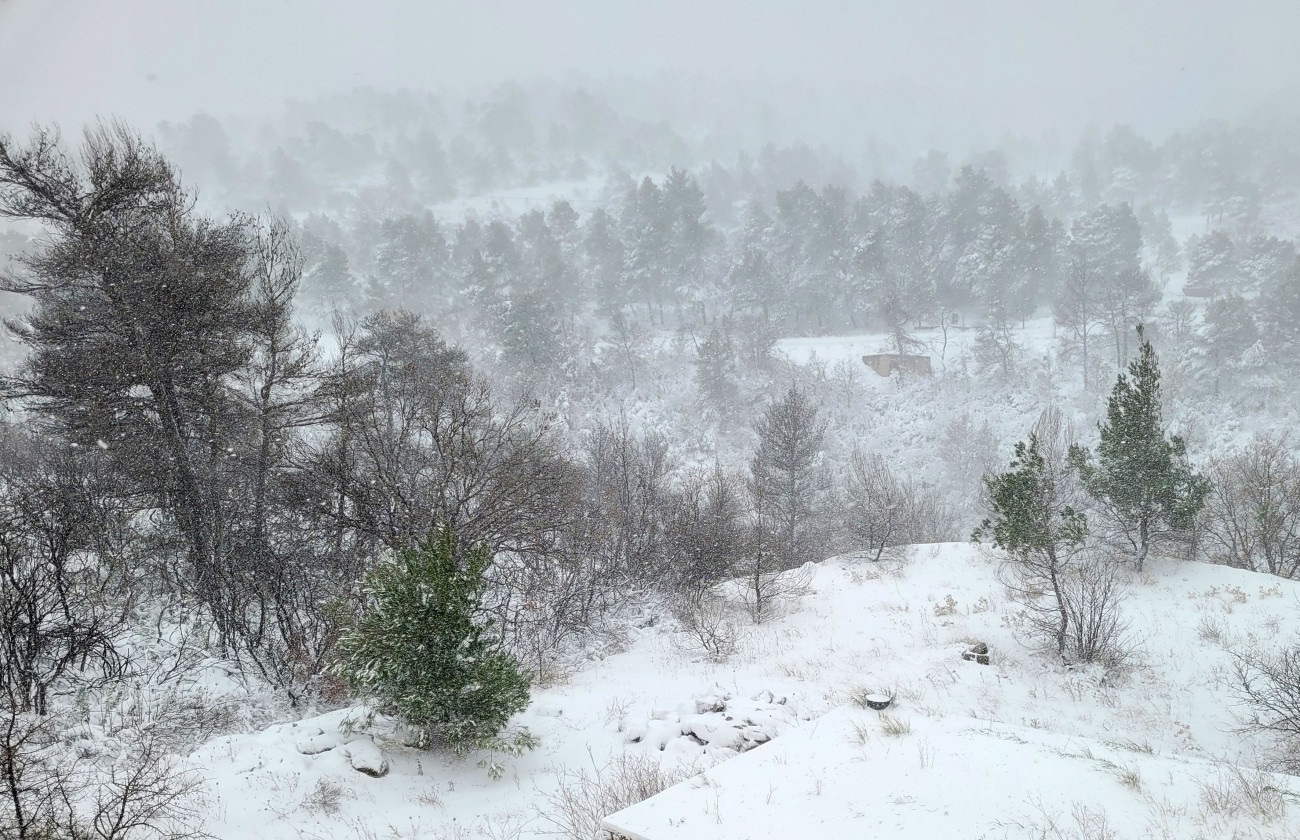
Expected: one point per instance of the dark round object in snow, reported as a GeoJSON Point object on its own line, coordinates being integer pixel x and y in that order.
{"type": "Point", "coordinates": [879, 702]}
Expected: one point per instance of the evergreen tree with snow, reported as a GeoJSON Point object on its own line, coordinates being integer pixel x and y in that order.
{"type": "Point", "coordinates": [1280, 315]}
{"type": "Point", "coordinates": [1141, 477]}
{"type": "Point", "coordinates": [1105, 289]}
{"type": "Point", "coordinates": [422, 649]}
{"type": "Point", "coordinates": [1034, 518]}
{"type": "Point", "coordinates": [788, 480]}
{"type": "Point", "coordinates": [715, 372]}
{"type": "Point", "coordinates": [1229, 331]}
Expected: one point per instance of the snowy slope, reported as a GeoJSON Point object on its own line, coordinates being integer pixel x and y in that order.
{"type": "Point", "coordinates": [899, 629]}
{"type": "Point", "coordinates": [843, 775]}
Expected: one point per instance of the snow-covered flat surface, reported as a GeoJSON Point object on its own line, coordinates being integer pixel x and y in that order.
{"type": "Point", "coordinates": [844, 775]}
{"type": "Point", "coordinates": [948, 351]}
{"type": "Point", "coordinates": [995, 740]}
{"type": "Point", "coordinates": [511, 202]}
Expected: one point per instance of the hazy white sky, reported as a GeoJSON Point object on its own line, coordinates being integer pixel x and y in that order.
{"type": "Point", "coordinates": [1023, 63]}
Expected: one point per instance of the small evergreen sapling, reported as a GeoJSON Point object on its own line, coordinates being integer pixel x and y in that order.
{"type": "Point", "coordinates": [423, 651]}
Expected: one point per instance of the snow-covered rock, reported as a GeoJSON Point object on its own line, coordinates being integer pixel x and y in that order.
{"type": "Point", "coordinates": [366, 757]}
{"type": "Point", "coordinates": [315, 741]}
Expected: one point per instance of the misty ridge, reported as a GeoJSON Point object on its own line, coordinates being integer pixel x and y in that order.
{"type": "Point", "coordinates": [356, 438]}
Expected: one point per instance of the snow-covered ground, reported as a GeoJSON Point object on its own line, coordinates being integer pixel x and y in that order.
{"type": "Point", "coordinates": [857, 773]}
{"type": "Point", "coordinates": [1004, 749]}
{"type": "Point", "coordinates": [511, 202]}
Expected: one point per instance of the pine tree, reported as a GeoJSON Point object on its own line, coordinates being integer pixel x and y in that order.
{"type": "Point", "coordinates": [1142, 477]}
{"type": "Point", "coordinates": [1033, 519]}
{"type": "Point", "coordinates": [715, 372]}
{"type": "Point", "coordinates": [164, 339]}
{"type": "Point", "coordinates": [423, 651]}
{"type": "Point", "coordinates": [789, 484]}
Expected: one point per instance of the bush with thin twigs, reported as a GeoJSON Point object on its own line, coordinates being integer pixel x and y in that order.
{"type": "Point", "coordinates": [584, 798]}
{"type": "Point", "coordinates": [1098, 631]}
{"type": "Point", "coordinates": [1212, 629]}
{"type": "Point", "coordinates": [1089, 593]}
{"type": "Point", "coordinates": [887, 512]}
{"type": "Point", "coordinates": [1084, 823]}
{"type": "Point", "coordinates": [326, 797]}
{"type": "Point", "coordinates": [1252, 517]}
{"type": "Point", "coordinates": [768, 593]}
{"type": "Point", "coordinates": [709, 623]}
{"type": "Point", "coordinates": [53, 791]}
{"type": "Point", "coordinates": [1267, 683]}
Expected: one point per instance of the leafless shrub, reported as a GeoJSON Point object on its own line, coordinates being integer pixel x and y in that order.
{"type": "Point", "coordinates": [1084, 823]}
{"type": "Point", "coordinates": [626, 489]}
{"type": "Point", "coordinates": [1239, 792]}
{"type": "Point", "coordinates": [59, 611]}
{"type": "Point", "coordinates": [508, 826]}
{"type": "Point", "coordinates": [705, 531]}
{"type": "Point", "coordinates": [56, 791]}
{"type": "Point", "coordinates": [584, 798]}
{"type": "Point", "coordinates": [1088, 592]}
{"type": "Point", "coordinates": [326, 797]}
{"type": "Point", "coordinates": [1211, 629]}
{"type": "Point", "coordinates": [767, 593]}
{"type": "Point", "coordinates": [1094, 594]}
{"type": "Point", "coordinates": [709, 622]}
{"type": "Point", "coordinates": [149, 794]}
{"type": "Point", "coordinates": [886, 511]}
{"type": "Point", "coordinates": [177, 718]}
{"type": "Point", "coordinates": [1252, 518]}
{"type": "Point", "coordinates": [1267, 684]}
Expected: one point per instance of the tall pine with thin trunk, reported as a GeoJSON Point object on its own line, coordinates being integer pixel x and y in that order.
{"type": "Point", "coordinates": [788, 482]}
{"type": "Point", "coordinates": [1141, 477]}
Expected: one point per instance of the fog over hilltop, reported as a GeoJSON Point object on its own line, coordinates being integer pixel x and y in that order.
{"type": "Point", "coordinates": [924, 73]}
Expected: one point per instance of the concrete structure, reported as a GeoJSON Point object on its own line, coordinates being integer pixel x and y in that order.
{"type": "Point", "coordinates": [886, 363]}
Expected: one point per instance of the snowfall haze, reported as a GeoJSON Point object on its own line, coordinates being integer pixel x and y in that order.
{"type": "Point", "coordinates": [935, 72]}
{"type": "Point", "coordinates": [608, 420]}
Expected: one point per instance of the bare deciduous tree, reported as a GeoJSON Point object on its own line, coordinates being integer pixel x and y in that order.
{"type": "Point", "coordinates": [1268, 685]}
{"type": "Point", "coordinates": [417, 441]}
{"type": "Point", "coordinates": [1252, 517]}
{"type": "Point", "coordinates": [58, 616]}
{"type": "Point", "coordinates": [886, 511]}
{"type": "Point", "coordinates": [628, 494]}
{"type": "Point", "coordinates": [706, 531]}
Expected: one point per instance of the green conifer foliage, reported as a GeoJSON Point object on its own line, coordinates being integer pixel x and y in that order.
{"type": "Point", "coordinates": [1032, 517]}
{"type": "Point", "coordinates": [1141, 477]}
{"type": "Point", "coordinates": [423, 651]}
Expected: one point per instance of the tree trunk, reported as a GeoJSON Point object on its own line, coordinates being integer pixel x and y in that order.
{"type": "Point", "coordinates": [1063, 625]}
{"type": "Point", "coordinates": [1144, 539]}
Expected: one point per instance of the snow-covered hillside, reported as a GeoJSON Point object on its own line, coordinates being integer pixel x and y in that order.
{"type": "Point", "coordinates": [1004, 749]}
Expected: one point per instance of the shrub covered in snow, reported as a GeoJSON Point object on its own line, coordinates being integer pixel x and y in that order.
{"type": "Point", "coordinates": [423, 651]}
